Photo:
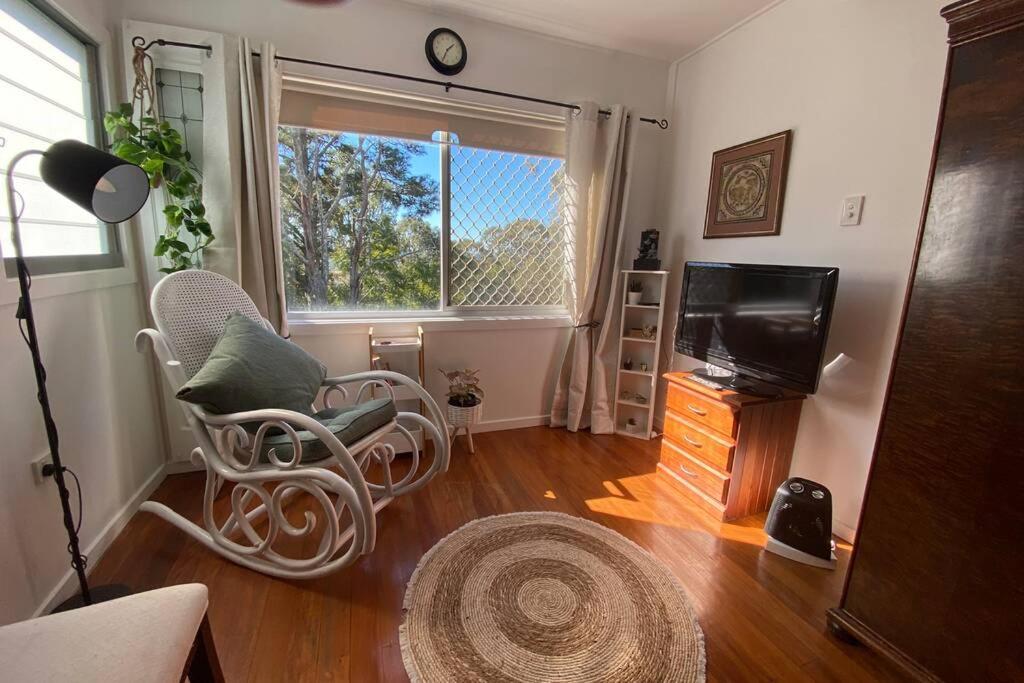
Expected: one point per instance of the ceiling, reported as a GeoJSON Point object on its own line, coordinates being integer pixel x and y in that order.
{"type": "Point", "coordinates": [662, 29]}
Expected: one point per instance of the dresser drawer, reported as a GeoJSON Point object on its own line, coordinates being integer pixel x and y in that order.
{"type": "Point", "coordinates": [701, 409]}
{"type": "Point", "coordinates": [711, 482]}
{"type": "Point", "coordinates": [715, 452]}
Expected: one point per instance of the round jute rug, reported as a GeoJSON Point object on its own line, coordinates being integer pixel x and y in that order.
{"type": "Point", "coordinates": [542, 596]}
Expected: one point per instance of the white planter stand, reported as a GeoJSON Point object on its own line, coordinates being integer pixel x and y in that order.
{"type": "Point", "coordinates": [464, 419]}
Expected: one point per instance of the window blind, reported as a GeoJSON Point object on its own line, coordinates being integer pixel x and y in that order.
{"type": "Point", "coordinates": [47, 92]}
{"type": "Point", "coordinates": [338, 108]}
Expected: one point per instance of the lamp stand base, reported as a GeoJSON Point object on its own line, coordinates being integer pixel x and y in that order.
{"type": "Point", "coordinates": [97, 594]}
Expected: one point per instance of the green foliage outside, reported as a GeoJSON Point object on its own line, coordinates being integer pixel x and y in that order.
{"type": "Point", "coordinates": [356, 235]}
{"type": "Point", "coordinates": [353, 218]}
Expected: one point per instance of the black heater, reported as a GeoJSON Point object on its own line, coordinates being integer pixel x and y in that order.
{"type": "Point", "coordinates": [799, 523]}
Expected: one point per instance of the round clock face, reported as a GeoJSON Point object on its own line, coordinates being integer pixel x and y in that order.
{"type": "Point", "coordinates": [446, 51]}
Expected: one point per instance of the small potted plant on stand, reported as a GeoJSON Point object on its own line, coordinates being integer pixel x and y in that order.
{"type": "Point", "coordinates": [636, 290]}
{"type": "Point", "coordinates": [465, 402]}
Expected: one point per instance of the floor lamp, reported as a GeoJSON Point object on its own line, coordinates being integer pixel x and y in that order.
{"type": "Point", "coordinates": [113, 190]}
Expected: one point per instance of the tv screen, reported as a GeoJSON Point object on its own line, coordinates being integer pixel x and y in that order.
{"type": "Point", "coordinates": [769, 323]}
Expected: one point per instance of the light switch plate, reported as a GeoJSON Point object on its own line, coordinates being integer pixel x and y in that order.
{"type": "Point", "coordinates": [853, 207]}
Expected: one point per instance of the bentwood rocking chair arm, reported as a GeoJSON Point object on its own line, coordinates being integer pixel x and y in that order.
{"type": "Point", "coordinates": [435, 420]}
{"type": "Point", "coordinates": [288, 421]}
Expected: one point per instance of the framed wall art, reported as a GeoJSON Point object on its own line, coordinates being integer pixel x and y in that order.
{"type": "Point", "coordinates": [748, 183]}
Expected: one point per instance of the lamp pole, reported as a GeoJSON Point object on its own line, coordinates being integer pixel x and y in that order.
{"type": "Point", "coordinates": [28, 326]}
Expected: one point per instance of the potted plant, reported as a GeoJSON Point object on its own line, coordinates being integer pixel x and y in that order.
{"type": "Point", "coordinates": [636, 290]}
{"type": "Point", "coordinates": [465, 398]}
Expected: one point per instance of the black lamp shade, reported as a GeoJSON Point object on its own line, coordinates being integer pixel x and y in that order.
{"type": "Point", "coordinates": [109, 188]}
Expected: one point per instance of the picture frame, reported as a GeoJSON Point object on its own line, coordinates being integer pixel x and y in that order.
{"type": "Point", "coordinates": [747, 188]}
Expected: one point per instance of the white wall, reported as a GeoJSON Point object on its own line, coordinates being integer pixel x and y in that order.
{"type": "Point", "coordinates": [102, 399]}
{"type": "Point", "coordinates": [516, 363]}
{"type": "Point", "coordinates": [859, 82]}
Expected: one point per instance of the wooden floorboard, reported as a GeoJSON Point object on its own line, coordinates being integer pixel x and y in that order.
{"type": "Point", "coordinates": [763, 616]}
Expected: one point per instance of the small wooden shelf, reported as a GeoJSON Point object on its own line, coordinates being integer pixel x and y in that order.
{"type": "Point", "coordinates": [402, 346]}
{"type": "Point", "coordinates": [636, 435]}
{"type": "Point", "coordinates": [650, 307]}
{"type": "Point", "coordinates": [638, 373]}
{"type": "Point", "coordinates": [635, 404]}
{"type": "Point", "coordinates": [396, 344]}
{"type": "Point", "coordinates": [640, 339]}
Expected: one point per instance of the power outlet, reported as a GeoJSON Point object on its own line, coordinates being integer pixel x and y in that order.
{"type": "Point", "coordinates": [853, 207]}
{"type": "Point", "coordinates": [37, 468]}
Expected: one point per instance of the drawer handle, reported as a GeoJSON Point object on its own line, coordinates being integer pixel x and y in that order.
{"type": "Point", "coordinates": [689, 473]}
{"type": "Point", "coordinates": [692, 442]}
{"type": "Point", "coordinates": [694, 409]}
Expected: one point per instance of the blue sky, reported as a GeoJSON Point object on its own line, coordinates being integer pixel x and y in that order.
{"type": "Point", "coordinates": [525, 197]}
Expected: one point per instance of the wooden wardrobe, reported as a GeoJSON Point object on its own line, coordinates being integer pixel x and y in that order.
{"type": "Point", "coordinates": [936, 582]}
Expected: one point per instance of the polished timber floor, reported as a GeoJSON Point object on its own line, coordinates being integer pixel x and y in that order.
{"type": "Point", "coordinates": [763, 616]}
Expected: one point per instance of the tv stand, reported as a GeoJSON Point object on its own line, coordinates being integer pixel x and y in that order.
{"type": "Point", "coordinates": [727, 450]}
{"type": "Point", "coordinates": [736, 383]}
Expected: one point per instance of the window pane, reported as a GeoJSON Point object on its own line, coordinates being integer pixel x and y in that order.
{"type": "Point", "coordinates": [180, 103]}
{"type": "Point", "coordinates": [46, 90]}
{"type": "Point", "coordinates": [508, 247]}
{"type": "Point", "coordinates": [360, 221]}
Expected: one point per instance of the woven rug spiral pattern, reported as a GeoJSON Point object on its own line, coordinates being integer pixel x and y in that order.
{"type": "Point", "coordinates": [545, 597]}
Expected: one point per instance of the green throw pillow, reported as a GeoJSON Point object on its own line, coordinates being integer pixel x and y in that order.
{"type": "Point", "coordinates": [251, 368]}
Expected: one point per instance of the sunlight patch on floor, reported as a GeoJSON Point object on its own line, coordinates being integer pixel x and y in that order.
{"type": "Point", "coordinates": [623, 502]}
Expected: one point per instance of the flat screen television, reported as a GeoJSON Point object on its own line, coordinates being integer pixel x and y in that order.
{"type": "Point", "coordinates": [764, 323]}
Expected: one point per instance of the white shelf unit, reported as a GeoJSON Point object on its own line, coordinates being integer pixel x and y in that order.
{"type": "Point", "coordinates": [650, 311]}
{"type": "Point", "coordinates": [405, 354]}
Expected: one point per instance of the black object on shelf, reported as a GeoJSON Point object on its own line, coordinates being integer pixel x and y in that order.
{"type": "Point", "coordinates": [647, 254]}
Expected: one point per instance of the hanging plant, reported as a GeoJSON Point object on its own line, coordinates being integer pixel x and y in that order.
{"type": "Point", "coordinates": [157, 147]}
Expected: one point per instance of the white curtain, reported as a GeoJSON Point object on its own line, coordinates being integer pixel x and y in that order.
{"type": "Point", "coordinates": [598, 162]}
{"type": "Point", "coordinates": [260, 251]}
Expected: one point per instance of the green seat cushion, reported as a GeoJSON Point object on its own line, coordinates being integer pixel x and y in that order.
{"type": "Point", "coordinates": [349, 424]}
{"type": "Point", "coordinates": [250, 368]}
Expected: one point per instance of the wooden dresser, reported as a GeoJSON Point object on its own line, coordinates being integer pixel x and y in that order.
{"type": "Point", "coordinates": [935, 580]}
{"type": "Point", "coordinates": [727, 451]}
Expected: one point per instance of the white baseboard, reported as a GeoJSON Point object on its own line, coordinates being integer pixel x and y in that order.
{"type": "Point", "coordinates": [68, 585]}
{"type": "Point", "coordinates": [843, 531]}
{"type": "Point", "coordinates": [182, 466]}
{"type": "Point", "coordinates": [511, 423]}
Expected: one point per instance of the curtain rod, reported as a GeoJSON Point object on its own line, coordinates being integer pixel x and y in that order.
{"type": "Point", "coordinates": [139, 41]}
{"type": "Point", "coordinates": [448, 86]}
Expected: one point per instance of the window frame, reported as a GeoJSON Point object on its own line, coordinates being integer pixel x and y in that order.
{"type": "Point", "coordinates": [73, 263]}
{"type": "Point", "coordinates": [446, 311]}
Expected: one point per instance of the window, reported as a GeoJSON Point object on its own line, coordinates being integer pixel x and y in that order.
{"type": "Point", "coordinates": [180, 103]}
{"type": "Point", "coordinates": [400, 206]}
{"type": "Point", "coordinates": [49, 92]}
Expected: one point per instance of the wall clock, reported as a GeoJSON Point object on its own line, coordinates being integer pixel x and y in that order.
{"type": "Point", "coordinates": [446, 51]}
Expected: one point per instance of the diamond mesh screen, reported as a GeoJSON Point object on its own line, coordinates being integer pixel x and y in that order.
{"type": "Point", "coordinates": [507, 242]}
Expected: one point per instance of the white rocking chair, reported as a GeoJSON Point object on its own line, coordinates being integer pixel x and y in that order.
{"type": "Point", "coordinates": [190, 309]}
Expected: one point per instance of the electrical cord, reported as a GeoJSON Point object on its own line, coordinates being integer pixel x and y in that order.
{"type": "Point", "coordinates": [48, 471]}
{"type": "Point", "coordinates": [78, 487]}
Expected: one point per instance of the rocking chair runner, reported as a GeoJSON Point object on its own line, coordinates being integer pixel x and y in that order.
{"type": "Point", "coordinates": [265, 463]}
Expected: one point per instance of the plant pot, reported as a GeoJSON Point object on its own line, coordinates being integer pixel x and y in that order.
{"type": "Point", "coordinates": [464, 416]}
{"type": "Point", "coordinates": [633, 297]}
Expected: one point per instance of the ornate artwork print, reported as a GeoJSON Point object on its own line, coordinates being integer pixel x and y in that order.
{"type": "Point", "coordinates": [747, 187]}
{"type": "Point", "coordinates": [744, 192]}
